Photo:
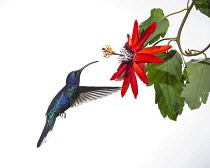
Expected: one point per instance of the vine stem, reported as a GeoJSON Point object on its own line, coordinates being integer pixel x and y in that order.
{"type": "Point", "coordinates": [170, 39]}
{"type": "Point", "coordinates": [175, 12]}
{"type": "Point", "coordinates": [199, 51]}
{"type": "Point", "coordinates": [188, 3]}
{"type": "Point", "coordinates": [179, 34]}
{"type": "Point", "coordinates": [177, 38]}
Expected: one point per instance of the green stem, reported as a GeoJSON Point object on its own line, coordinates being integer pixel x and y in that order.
{"type": "Point", "coordinates": [177, 39]}
{"type": "Point", "coordinates": [188, 4]}
{"type": "Point", "coordinates": [176, 12]}
{"type": "Point", "coordinates": [182, 25]}
{"type": "Point", "coordinates": [171, 39]}
{"type": "Point", "coordinates": [200, 52]}
{"type": "Point", "coordinates": [179, 35]}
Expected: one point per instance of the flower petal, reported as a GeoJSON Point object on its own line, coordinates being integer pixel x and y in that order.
{"type": "Point", "coordinates": [147, 58]}
{"type": "Point", "coordinates": [129, 43]}
{"type": "Point", "coordinates": [134, 85]}
{"type": "Point", "coordinates": [144, 36]}
{"type": "Point", "coordinates": [135, 34]}
{"type": "Point", "coordinates": [120, 70]}
{"type": "Point", "coordinates": [155, 49]}
{"type": "Point", "coordinates": [140, 71]}
{"type": "Point", "coordinates": [142, 66]}
{"type": "Point", "coordinates": [126, 82]}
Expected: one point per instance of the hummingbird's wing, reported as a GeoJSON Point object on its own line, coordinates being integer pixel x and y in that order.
{"type": "Point", "coordinates": [89, 93]}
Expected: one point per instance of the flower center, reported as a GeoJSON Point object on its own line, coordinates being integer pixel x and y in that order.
{"type": "Point", "coordinates": [127, 55]}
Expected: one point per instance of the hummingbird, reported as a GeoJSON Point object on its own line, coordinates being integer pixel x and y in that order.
{"type": "Point", "coordinates": [69, 96]}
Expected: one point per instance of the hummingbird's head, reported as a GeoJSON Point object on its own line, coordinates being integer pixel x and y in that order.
{"type": "Point", "coordinates": [73, 77]}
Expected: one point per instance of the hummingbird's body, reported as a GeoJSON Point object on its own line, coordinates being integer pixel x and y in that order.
{"type": "Point", "coordinates": [71, 95]}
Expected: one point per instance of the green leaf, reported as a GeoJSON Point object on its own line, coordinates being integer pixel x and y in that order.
{"type": "Point", "coordinates": [157, 15]}
{"type": "Point", "coordinates": [172, 64]}
{"type": "Point", "coordinates": [198, 87]}
{"type": "Point", "coordinates": [166, 78]}
{"type": "Point", "coordinates": [203, 6]}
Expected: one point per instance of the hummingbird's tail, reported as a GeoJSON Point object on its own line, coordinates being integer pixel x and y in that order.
{"type": "Point", "coordinates": [47, 128]}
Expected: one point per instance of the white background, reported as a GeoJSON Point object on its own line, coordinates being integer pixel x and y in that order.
{"type": "Point", "coordinates": [41, 41]}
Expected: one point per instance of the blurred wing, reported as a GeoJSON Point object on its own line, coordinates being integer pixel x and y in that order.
{"type": "Point", "coordinates": [86, 93]}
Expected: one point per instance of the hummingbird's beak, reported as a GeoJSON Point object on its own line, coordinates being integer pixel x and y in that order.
{"type": "Point", "coordinates": [87, 65]}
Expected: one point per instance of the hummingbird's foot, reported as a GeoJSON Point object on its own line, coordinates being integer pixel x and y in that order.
{"type": "Point", "coordinates": [63, 115]}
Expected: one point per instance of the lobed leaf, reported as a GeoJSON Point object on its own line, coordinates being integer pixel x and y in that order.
{"type": "Point", "coordinates": [166, 78]}
{"type": "Point", "coordinates": [197, 88]}
{"type": "Point", "coordinates": [156, 15]}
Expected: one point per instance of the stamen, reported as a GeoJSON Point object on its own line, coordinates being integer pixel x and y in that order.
{"type": "Point", "coordinates": [107, 51]}
{"type": "Point", "coordinates": [128, 55]}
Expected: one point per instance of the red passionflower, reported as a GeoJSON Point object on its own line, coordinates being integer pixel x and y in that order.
{"type": "Point", "coordinates": [134, 57]}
